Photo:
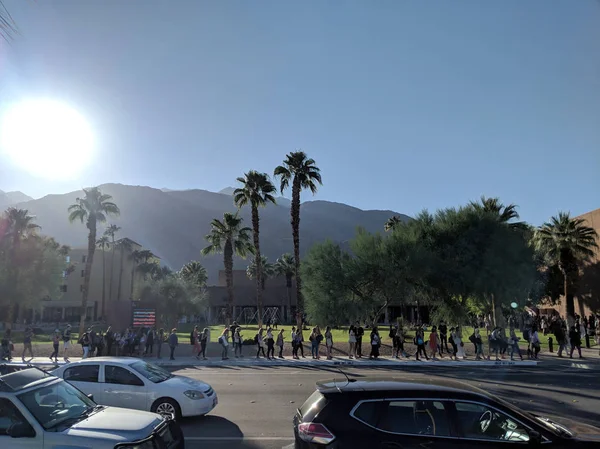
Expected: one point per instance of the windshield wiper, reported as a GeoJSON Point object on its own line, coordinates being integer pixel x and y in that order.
{"type": "Point", "coordinates": [67, 422]}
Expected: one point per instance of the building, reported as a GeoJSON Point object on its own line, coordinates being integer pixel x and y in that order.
{"type": "Point", "coordinates": [279, 302]}
{"type": "Point", "coordinates": [67, 307]}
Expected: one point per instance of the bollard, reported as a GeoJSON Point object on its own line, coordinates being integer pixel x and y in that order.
{"type": "Point", "coordinates": [550, 346]}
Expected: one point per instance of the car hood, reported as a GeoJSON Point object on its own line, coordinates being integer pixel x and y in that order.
{"type": "Point", "coordinates": [115, 423]}
{"type": "Point", "coordinates": [581, 430]}
{"type": "Point", "coordinates": [185, 383]}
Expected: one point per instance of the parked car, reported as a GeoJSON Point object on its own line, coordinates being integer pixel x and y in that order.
{"type": "Point", "coordinates": [41, 411]}
{"type": "Point", "coordinates": [417, 413]}
{"type": "Point", "coordinates": [136, 383]}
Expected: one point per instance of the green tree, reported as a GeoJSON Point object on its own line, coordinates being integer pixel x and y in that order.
{"type": "Point", "coordinates": [92, 209]}
{"type": "Point", "coordinates": [567, 243]}
{"type": "Point", "coordinates": [102, 243]}
{"type": "Point", "coordinates": [391, 223]}
{"type": "Point", "coordinates": [267, 270]}
{"type": "Point", "coordinates": [125, 246]}
{"type": "Point", "coordinates": [302, 173]}
{"type": "Point", "coordinates": [286, 266]}
{"type": "Point", "coordinates": [111, 232]}
{"type": "Point", "coordinates": [194, 273]}
{"type": "Point", "coordinates": [8, 27]}
{"type": "Point", "coordinates": [256, 191]}
{"type": "Point", "coordinates": [229, 238]}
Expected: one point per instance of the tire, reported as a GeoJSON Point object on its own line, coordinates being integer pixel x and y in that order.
{"type": "Point", "coordinates": [164, 406]}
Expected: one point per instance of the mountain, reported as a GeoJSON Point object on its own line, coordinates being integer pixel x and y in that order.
{"type": "Point", "coordinates": [173, 223]}
{"type": "Point", "coordinates": [8, 199]}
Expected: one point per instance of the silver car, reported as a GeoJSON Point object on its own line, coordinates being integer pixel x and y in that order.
{"type": "Point", "coordinates": [41, 411]}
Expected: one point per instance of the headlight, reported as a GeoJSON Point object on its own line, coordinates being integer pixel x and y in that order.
{"type": "Point", "coordinates": [194, 394]}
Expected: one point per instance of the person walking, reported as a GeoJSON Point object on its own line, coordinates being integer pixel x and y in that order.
{"type": "Point", "coordinates": [434, 343]}
{"type": "Point", "coordinates": [294, 343]}
{"type": "Point", "coordinates": [328, 342]}
{"type": "Point", "coordinates": [534, 340]}
{"type": "Point", "coordinates": [280, 338]}
{"type": "Point", "coordinates": [237, 343]}
{"type": "Point", "coordinates": [513, 341]}
{"type": "Point", "coordinates": [27, 343]}
{"type": "Point", "coordinates": [66, 342]}
{"type": "Point", "coordinates": [315, 339]}
{"type": "Point", "coordinates": [55, 345]}
{"type": "Point", "coordinates": [173, 343]}
{"type": "Point", "coordinates": [375, 343]}
{"type": "Point", "coordinates": [270, 345]}
{"type": "Point", "coordinates": [575, 337]}
{"type": "Point", "coordinates": [398, 343]}
{"type": "Point", "coordinates": [443, 333]}
{"type": "Point", "coordinates": [352, 341]}
{"type": "Point", "coordinates": [300, 337]}
{"type": "Point", "coordinates": [150, 342]}
{"type": "Point", "coordinates": [203, 343]}
{"type": "Point", "coordinates": [260, 343]}
{"type": "Point", "coordinates": [85, 344]}
{"type": "Point", "coordinates": [359, 336]}
{"type": "Point", "coordinates": [224, 342]}
{"type": "Point", "coordinates": [452, 341]}
{"type": "Point", "coordinates": [420, 343]}
{"type": "Point", "coordinates": [194, 340]}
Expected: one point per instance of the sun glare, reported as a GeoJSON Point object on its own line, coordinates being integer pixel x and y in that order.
{"type": "Point", "coordinates": [47, 138]}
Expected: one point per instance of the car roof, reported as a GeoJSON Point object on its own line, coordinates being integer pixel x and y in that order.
{"type": "Point", "coordinates": [121, 360]}
{"type": "Point", "coordinates": [23, 379]}
{"type": "Point", "coordinates": [406, 384]}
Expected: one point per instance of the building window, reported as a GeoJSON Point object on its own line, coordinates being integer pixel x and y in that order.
{"type": "Point", "coordinates": [63, 288]}
{"type": "Point", "coordinates": [83, 258]}
{"type": "Point", "coordinates": [82, 273]}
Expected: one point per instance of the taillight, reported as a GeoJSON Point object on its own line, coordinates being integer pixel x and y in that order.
{"type": "Point", "coordinates": [315, 433]}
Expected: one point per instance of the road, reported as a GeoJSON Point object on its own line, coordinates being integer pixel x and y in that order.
{"type": "Point", "coordinates": [256, 404]}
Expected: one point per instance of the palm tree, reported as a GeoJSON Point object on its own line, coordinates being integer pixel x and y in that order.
{"type": "Point", "coordinates": [504, 213]}
{"type": "Point", "coordinates": [257, 190]}
{"type": "Point", "coordinates": [194, 273]}
{"type": "Point", "coordinates": [267, 270]}
{"type": "Point", "coordinates": [8, 27]}
{"type": "Point", "coordinates": [391, 223]}
{"type": "Point", "coordinates": [110, 232]}
{"type": "Point", "coordinates": [124, 246]}
{"type": "Point", "coordinates": [229, 237]}
{"type": "Point", "coordinates": [92, 209]}
{"type": "Point", "coordinates": [19, 225]}
{"type": "Point", "coordinates": [135, 258]}
{"type": "Point", "coordinates": [302, 173]}
{"type": "Point", "coordinates": [566, 242]}
{"type": "Point", "coordinates": [103, 244]}
{"type": "Point", "coordinates": [285, 266]}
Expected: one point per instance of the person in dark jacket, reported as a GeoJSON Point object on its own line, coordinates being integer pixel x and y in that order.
{"type": "Point", "coordinates": [359, 336]}
{"type": "Point", "coordinates": [375, 343]}
{"type": "Point", "coordinates": [150, 342]}
{"type": "Point", "coordinates": [575, 338]}
{"type": "Point", "coordinates": [173, 342]}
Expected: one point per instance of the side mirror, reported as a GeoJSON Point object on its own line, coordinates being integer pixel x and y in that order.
{"type": "Point", "coordinates": [21, 430]}
{"type": "Point", "coordinates": [535, 438]}
{"type": "Point", "coordinates": [90, 396]}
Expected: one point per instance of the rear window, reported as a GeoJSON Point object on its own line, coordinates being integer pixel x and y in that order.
{"type": "Point", "coordinates": [313, 405]}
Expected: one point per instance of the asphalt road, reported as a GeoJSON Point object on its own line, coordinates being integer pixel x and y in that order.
{"type": "Point", "coordinates": [256, 404]}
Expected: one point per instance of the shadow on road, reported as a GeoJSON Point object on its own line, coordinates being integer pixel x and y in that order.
{"type": "Point", "coordinates": [212, 427]}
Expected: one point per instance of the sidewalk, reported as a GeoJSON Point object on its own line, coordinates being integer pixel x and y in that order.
{"type": "Point", "coordinates": [290, 362]}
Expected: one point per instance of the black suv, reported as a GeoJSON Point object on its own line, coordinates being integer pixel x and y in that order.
{"type": "Point", "coordinates": [422, 413]}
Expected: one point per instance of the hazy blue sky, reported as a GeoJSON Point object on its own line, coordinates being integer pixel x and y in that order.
{"type": "Point", "coordinates": [404, 105]}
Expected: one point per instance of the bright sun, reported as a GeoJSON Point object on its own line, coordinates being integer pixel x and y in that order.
{"type": "Point", "coordinates": [47, 138]}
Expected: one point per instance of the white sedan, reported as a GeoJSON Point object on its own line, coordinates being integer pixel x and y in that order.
{"type": "Point", "coordinates": [135, 383]}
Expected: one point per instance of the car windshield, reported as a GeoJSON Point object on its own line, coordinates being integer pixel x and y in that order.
{"type": "Point", "coordinates": [57, 403]}
{"type": "Point", "coordinates": [554, 426]}
{"type": "Point", "coordinates": [151, 372]}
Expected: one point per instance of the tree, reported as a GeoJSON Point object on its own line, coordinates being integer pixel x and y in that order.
{"type": "Point", "coordinates": [256, 191]}
{"type": "Point", "coordinates": [504, 214]}
{"type": "Point", "coordinates": [8, 27]}
{"type": "Point", "coordinates": [103, 244]}
{"type": "Point", "coordinates": [124, 246]}
{"type": "Point", "coordinates": [92, 209]}
{"type": "Point", "coordinates": [391, 223]}
{"type": "Point", "coordinates": [229, 238]}
{"type": "Point", "coordinates": [111, 232]}
{"type": "Point", "coordinates": [302, 172]}
{"type": "Point", "coordinates": [194, 273]}
{"type": "Point", "coordinates": [568, 243]}
{"type": "Point", "coordinates": [267, 270]}
{"type": "Point", "coordinates": [286, 266]}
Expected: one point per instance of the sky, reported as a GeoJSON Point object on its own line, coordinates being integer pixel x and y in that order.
{"type": "Point", "coordinates": [404, 105]}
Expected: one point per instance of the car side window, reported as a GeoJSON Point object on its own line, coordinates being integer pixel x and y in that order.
{"type": "Point", "coordinates": [121, 376]}
{"type": "Point", "coordinates": [419, 417]}
{"type": "Point", "coordinates": [9, 416]}
{"type": "Point", "coordinates": [82, 373]}
{"type": "Point", "coordinates": [480, 422]}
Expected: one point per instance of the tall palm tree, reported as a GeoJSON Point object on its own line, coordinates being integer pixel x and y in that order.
{"type": "Point", "coordinates": [566, 242]}
{"type": "Point", "coordinates": [19, 225]}
{"type": "Point", "coordinates": [267, 270]}
{"type": "Point", "coordinates": [257, 190]}
{"type": "Point", "coordinates": [194, 273]}
{"type": "Point", "coordinates": [110, 232]}
{"type": "Point", "coordinates": [8, 27]}
{"type": "Point", "coordinates": [135, 258]}
{"type": "Point", "coordinates": [504, 213]}
{"type": "Point", "coordinates": [103, 244]}
{"type": "Point", "coordinates": [286, 266]}
{"type": "Point", "coordinates": [92, 209]}
{"type": "Point", "coordinates": [301, 171]}
{"type": "Point", "coordinates": [124, 246]}
{"type": "Point", "coordinates": [229, 238]}
{"type": "Point", "coordinates": [391, 223]}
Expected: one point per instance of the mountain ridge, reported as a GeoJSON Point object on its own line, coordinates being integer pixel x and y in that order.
{"type": "Point", "coordinates": [173, 223]}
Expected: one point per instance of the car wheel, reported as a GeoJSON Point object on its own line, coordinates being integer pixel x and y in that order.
{"type": "Point", "coordinates": [166, 407]}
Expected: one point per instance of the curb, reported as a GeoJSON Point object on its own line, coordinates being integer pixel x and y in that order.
{"type": "Point", "coordinates": [250, 362]}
